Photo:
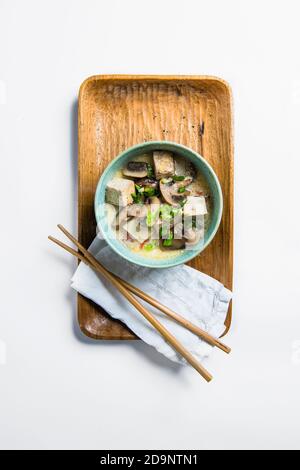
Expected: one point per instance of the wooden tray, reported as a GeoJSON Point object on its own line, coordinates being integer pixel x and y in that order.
{"type": "Point", "coordinates": [118, 111]}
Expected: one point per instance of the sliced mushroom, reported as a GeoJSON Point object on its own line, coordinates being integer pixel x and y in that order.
{"type": "Point", "coordinates": [148, 183]}
{"type": "Point", "coordinates": [171, 191]}
{"type": "Point", "coordinates": [190, 170]}
{"type": "Point", "coordinates": [149, 188]}
{"type": "Point", "coordinates": [187, 180]}
{"type": "Point", "coordinates": [136, 169]}
{"type": "Point", "coordinates": [182, 195]}
{"type": "Point", "coordinates": [184, 167]}
{"type": "Point", "coordinates": [190, 234]}
{"type": "Point", "coordinates": [179, 165]}
{"type": "Point", "coordinates": [177, 244]}
{"type": "Point", "coordinates": [193, 237]}
{"type": "Point", "coordinates": [167, 193]}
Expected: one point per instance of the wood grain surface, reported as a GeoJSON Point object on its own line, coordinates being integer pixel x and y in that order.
{"type": "Point", "coordinates": [118, 111]}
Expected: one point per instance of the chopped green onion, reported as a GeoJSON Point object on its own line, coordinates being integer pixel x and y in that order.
{"type": "Point", "coordinates": [178, 178]}
{"type": "Point", "coordinates": [149, 192]}
{"type": "Point", "coordinates": [137, 197]}
{"type": "Point", "coordinates": [176, 211]}
{"type": "Point", "coordinates": [181, 190]}
{"type": "Point", "coordinates": [151, 217]}
{"type": "Point", "coordinates": [150, 246]}
{"type": "Point", "coordinates": [168, 241]}
{"type": "Point", "coordinates": [139, 189]}
{"type": "Point", "coordinates": [164, 231]}
{"type": "Point", "coordinates": [166, 180]}
{"type": "Point", "coordinates": [166, 212]}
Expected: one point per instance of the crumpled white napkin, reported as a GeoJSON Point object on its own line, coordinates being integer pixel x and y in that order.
{"type": "Point", "coordinates": [194, 295]}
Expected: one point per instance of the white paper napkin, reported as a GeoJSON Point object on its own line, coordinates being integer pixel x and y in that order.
{"type": "Point", "coordinates": [194, 295]}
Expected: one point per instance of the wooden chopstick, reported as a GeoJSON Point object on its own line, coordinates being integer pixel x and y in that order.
{"type": "Point", "coordinates": [135, 290]}
{"type": "Point", "coordinates": [146, 314]}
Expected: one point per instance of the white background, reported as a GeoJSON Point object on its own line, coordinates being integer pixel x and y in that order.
{"type": "Point", "coordinates": [60, 390]}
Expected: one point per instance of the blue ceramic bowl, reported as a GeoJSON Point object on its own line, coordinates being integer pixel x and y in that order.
{"type": "Point", "coordinates": [118, 163]}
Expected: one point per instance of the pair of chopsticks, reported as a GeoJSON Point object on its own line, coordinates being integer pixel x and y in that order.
{"type": "Point", "coordinates": [127, 289]}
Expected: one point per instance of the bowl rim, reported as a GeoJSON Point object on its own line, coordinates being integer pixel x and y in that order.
{"type": "Point", "coordinates": [143, 262]}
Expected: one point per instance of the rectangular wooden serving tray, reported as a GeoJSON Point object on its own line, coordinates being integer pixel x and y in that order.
{"type": "Point", "coordinates": [118, 111]}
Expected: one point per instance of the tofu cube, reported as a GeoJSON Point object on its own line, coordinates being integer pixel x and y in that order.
{"type": "Point", "coordinates": [137, 230]}
{"type": "Point", "coordinates": [119, 192]}
{"type": "Point", "coordinates": [184, 167]}
{"type": "Point", "coordinates": [195, 205]}
{"type": "Point", "coordinates": [180, 169]}
{"type": "Point", "coordinates": [163, 164]}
